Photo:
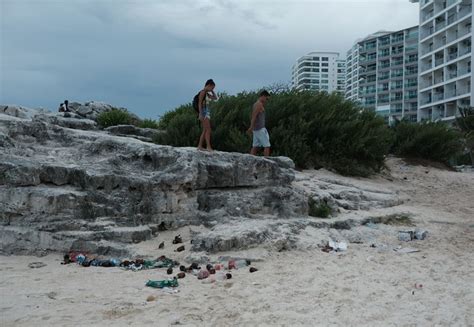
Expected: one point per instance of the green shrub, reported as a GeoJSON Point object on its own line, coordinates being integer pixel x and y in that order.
{"type": "Point", "coordinates": [318, 209]}
{"type": "Point", "coordinates": [314, 129]}
{"type": "Point", "coordinates": [114, 117]}
{"type": "Point", "coordinates": [465, 123]}
{"type": "Point", "coordinates": [182, 128]}
{"type": "Point", "coordinates": [435, 141]}
{"type": "Point", "coordinates": [148, 123]}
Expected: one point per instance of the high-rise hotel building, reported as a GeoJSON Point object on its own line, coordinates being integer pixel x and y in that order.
{"type": "Point", "coordinates": [445, 57]}
{"type": "Point", "coordinates": [319, 71]}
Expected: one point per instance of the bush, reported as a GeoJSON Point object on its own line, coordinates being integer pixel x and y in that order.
{"type": "Point", "coordinates": [465, 123]}
{"type": "Point", "coordinates": [181, 126]}
{"type": "Point", "coordinates": [114, 117]}
{"type": "Point", "coordinates": [435, 141]}
{"type": "Point", "coordinates": [314, 129]}
{"type": "Point", "coordinates": [148, 123]}
{"type": "Point", "coordinates": [318, 209]}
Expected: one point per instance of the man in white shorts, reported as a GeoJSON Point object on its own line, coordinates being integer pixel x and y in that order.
{"type": "Point", "coordinates": [261, 139]}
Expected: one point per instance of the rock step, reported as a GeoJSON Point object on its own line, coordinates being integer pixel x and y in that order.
{"type": "Point", "coordinates": [121, 234]}
{"type": "Point", "coordinates": [105, 248]}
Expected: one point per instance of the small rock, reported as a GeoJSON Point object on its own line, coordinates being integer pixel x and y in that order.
{"type": "Point", "coordinates": [181, 275]}
{"type": "Point", "coordinates": [169, 271]}
{"type": "Point", "coordinates": [151, 298]}
{"type": "Point", "coordinates": [181, 248]}
{"type": "Point", "coordinates": [162, 245]}
{"type": "Point", "coordinates": [253, 269]}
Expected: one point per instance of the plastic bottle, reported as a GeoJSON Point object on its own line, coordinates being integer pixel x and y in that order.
{"type": "Point", "coordinates": [240, 263]}
{"type": "Point", "coordinates": [221, 276]}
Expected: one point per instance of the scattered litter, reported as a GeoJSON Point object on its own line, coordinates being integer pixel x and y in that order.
{"type": "Point", "coordinates": [162, 283]}
{"type": "Point", "coordinates": [420, 234]}
{"type": "Point", "coordinates": [181, 248]}
{"type": "Point", "coordinates": [406, 250]}
{"type": "Point", "coordinates": [406, 236]}
{"type": "Point", "coordinates": [170, 290]}
{"type": "Point", "coordinates": [331, 245]}
{"type": "Point", "coordinates": [418, 286]}
{"type": "Point", "coordinates": [253, 269]}
{"type": "Point", "coordinates": [36, 265]}
{"type": "Point", "coordinates": [181, 275]}
{"type": "Point", "coordinates": [169, 271]}
{"type": "Point", "coordinates": [410, 235]}
{"type": "Point", "coordinates": [177, 239]}
{"type": "Point", "coordinates": [162, 245]}
{"type": "Point", "coordinates": [203, 274]}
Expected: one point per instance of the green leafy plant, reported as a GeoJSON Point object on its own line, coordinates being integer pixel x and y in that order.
{"type": "Point", "coordinates": [114, 117]}
{"type": "Point", "coordinates": [148, 123]}
{"type": "Point", "coordinates": [318, 209]}
{"type": "Point", "coordinates": [435, 141]}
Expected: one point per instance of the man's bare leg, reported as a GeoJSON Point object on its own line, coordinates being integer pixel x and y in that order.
{"type": "Point", "coordinates": [266, 152]}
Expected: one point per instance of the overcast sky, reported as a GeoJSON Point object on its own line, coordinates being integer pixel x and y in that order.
{"type": "Point", "coordinates": [153, 55]}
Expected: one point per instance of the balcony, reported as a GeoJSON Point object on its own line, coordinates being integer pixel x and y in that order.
{"type": "Point", "coordinates": [439, 61]}
{"type": "Point", "coordinates": [411, 96]}
{"type": "Point", "coordinates": [407, 85]}
{"type": "Point", "coordinates": [397, 63]}
{"type": "Point", "coordinates": [393, 99]}
{"type": "Point", "coordinates": [383, 77]}
{"type": "Point", "coordinates": [396, 87]}
{"type": "Point", "coordinates": [397, 39]}
{"type": "Point", "coordinates": [411, 72]}
{"type": "Point", "coordinates": [440, 26]}
{"type": "Point", "coordinates": [452, 56]}
{"type": "Point", "coordinates": [438, 97]}
{"type": "Point", "coordinates": [452, 74]}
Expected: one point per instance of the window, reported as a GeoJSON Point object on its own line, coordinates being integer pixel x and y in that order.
{"type": "Point", "coordinates": [324, 70]}
{"type": "Point", "coordinates": [325, 64]}
{"type": "Point", "coordinates": [325, 87]}
{"type": "Point", "coordinates": [316, 58]}
{"type": "Point", "coordinates": [325, 59]}
{"type": "Point", "coordinates": [324, 81]}
{"type": "Point", "coordinates": [324, 75]}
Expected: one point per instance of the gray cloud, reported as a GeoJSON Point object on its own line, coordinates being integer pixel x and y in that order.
{"type": "Point", "coordinates": [152, 56]}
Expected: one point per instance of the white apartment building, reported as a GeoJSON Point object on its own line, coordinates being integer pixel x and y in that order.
{"type": "Point", "coordinates": [352, 68]}
{"type": "Point", "coordinates": [445, 57]}
{"type": "Point", "coordinates": [319, 71]}
{"type": "Point", "coordinates": [388, 74]}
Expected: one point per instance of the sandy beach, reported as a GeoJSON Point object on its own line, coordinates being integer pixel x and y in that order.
{"type": "Point", "coordinates": [370, 284]}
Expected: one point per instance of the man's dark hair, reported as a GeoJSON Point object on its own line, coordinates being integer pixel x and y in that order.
{"type": "Point", "coordinates": [210, 82]}
{"type": "Point", "coordinates": [66, 102]}
{"type": "Point", "coordinates": [264, 93]}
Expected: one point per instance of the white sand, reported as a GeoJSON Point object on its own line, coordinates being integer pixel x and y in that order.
{"type": "Point", "coordinates": [363, 286]}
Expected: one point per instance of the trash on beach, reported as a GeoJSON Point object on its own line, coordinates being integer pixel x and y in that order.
{"type": "Point", "coordinates": [162, 245]}
{"type": "Point", "coordinates": [406, 236]}
{"type": "Point", "coordinates": [36, 265]}
{"type": "Point", "coordinates": [150, 298]}
{"type": "Point", "coordinates": [162, 283]}
{"type": "Point", "coordinates": [181, 248]}
{"type": "Point", "coordinates": [177, 239]}
{"type": "Point", "coordinates": [410, 235]}
{"type": "Point", "coordinates": [420, 234]}
{"type": "Point", "coordinates": [253, 269]}
{"type": "Point", "coordinates": [406, 250]}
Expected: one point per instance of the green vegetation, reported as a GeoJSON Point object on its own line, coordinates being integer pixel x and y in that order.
{"type": "Point", "coordinates": [435, 141]}
{"type": "Point", "coordinates": [148, 123]}
{"type": "Point", "coordinates": [317, 129]}
{"type": "Point", "coordinates": [318, 209]}
{"type": "Point", "coordinates": [114, 117]}
{"type": "Point", "coordinates": [465, 123]}
{"type": "Point", "coordinates": [314, 129]}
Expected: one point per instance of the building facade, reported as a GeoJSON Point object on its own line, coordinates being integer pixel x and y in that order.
{"type": "Point", "coordinates": [388, 74]}
{"type": "Point", "coordinates": [319, 71]}
{"type": "Point", "coordinates": [445, 57]}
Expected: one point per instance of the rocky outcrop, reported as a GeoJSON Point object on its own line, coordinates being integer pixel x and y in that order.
{"type": "Point", "coordinates": [73, 188]}
{"type": "Point", "coordinates": [143, 134]}
{"type": "Point", "coordinates": [66, 185]}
